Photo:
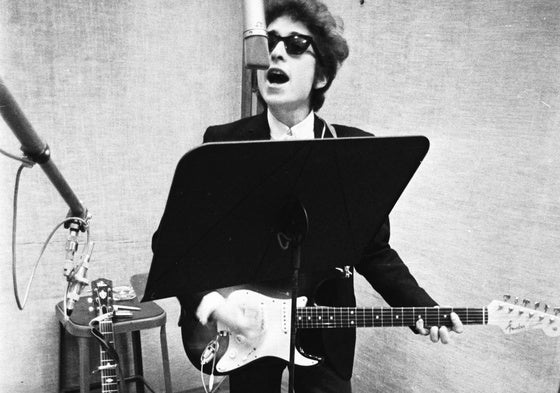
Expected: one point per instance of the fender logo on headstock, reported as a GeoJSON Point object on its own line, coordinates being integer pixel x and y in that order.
{"type": "Point", "coordinates": [511, 328]}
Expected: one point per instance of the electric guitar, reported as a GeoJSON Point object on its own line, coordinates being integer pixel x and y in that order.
{"type": "Point", "coordinates": [102, 291]}
{"type": "Point", "coordinates": [215, 344]}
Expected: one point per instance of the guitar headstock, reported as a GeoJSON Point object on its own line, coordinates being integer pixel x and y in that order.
{"type": "Point", "coordinates": [515, 318]}
{"type": "Point", "coordinates": [102, 294]}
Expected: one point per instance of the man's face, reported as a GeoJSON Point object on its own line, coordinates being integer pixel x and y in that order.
{"type": "Point", "coordinates": [287, 84]}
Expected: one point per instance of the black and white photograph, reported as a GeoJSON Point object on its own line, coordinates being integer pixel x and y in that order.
{"type": "Point", "coordinates": [279, 196]}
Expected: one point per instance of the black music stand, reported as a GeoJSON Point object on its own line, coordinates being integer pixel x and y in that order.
{"type": "Point", "coordinates": [246, 212]}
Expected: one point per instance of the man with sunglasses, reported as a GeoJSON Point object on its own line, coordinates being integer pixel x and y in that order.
{"type": "Point", "coordinates": [306, 50]}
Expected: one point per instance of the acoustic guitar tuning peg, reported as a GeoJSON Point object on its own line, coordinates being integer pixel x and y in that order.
{"type": "Point", "coordinates": [526, 302]}
{"type": "Point", "coordinates": [556, 310]}
{"type": "Point", "coordinates": [537, 305]}
{"type": "Point", "coordinates": [507, 297]}
{"type": "Point", "coordinates": [516, 300]}
{"type": "Point", "coordinates": [545, 307]}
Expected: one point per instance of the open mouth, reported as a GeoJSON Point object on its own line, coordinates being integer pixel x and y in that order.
{"type": "Point", "coordinates": [276, 76]}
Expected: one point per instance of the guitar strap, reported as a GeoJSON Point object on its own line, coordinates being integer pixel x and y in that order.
{"type": "Point", "coordinates": [106, 346]}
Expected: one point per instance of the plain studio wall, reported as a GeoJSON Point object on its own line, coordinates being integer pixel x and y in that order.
{"type": "Point", "coordinates": [121, 90]}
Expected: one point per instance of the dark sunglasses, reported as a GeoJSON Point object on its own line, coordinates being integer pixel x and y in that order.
{"type": "Point", "coordinates": [295, 44]}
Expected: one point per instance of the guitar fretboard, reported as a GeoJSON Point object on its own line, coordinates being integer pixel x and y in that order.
{"type": "Point", "coordinates": [347, 317]}
{"type": "Point", "coordinates": [108, 365]}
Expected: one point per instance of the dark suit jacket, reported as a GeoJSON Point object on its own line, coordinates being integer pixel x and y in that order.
{"type": "Point", "coordinates": [380, 264]}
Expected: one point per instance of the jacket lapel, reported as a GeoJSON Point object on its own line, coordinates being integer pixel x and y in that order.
{"type": "Point", "coordinates": [319, 127]}
{"type": "Point", "coordinates": [257, 128]}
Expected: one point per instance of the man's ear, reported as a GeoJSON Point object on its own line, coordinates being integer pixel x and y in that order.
{"type": "Point", "coordinates": [320, 81]}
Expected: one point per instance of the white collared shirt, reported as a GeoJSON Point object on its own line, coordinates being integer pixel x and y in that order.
{"type": "Point", "coordinates": [303, 130]}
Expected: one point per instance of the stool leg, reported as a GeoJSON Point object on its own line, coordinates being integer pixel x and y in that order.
{"type": "Point", "coordinates": [83, 346]}
{"type": "Point", "coordinates": [61, 354]}
{"type": "Point", "coordinates": [165, 360]}
{"type": "Point", "coordinates": [138, 366]}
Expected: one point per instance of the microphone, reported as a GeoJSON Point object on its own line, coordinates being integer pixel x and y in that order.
{"type": "Point", "coordinates": [71, 247]}
{"type": "Point", "coordinates": [36, 149]}
{"type": "Point", "coordinates": [255, 38]}
{"type": "Point", "coordinates": [78, 281]}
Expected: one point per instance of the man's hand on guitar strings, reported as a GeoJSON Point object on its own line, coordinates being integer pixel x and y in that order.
{"type": "Point", "coordinates": [244, 321]}
{"type": "Point", "coordinates": [437, 333]}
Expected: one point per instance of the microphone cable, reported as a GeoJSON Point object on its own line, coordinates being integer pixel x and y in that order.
{"type": "Point", "coordinates": [28, 164]}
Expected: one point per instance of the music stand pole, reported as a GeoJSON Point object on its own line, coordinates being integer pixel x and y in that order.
{"type": "Point", "coordinates": [291, 235]}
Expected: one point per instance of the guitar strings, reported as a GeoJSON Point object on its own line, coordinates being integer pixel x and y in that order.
{"type": "Point", "coordinates": [109, 373]}
{"type": "Point", "coordinates": [335, 317]}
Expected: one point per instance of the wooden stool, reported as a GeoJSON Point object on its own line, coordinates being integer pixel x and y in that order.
{"type": "Point", "coordinates": [149, 316]}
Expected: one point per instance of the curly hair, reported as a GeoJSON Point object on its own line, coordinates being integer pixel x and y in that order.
{"type": "Point", "coordinates": [327, 34]}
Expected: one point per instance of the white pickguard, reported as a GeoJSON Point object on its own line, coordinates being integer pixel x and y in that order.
{"type": "Point", "coordinates": [274, 316]}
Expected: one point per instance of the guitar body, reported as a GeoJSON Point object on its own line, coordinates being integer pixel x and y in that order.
{"type": "Point", "coordinates": [273, 317]}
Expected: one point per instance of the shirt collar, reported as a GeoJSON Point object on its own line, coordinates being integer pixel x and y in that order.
{"type": "Point", "coordinates": [302, 130]}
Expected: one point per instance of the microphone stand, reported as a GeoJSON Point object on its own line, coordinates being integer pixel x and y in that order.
{"type": "Point", "coordinates": [291, 235]}
{"type": "Point", "coordinates": [38, 151]}
{"type": "Point", "coordinates": [250, 104]}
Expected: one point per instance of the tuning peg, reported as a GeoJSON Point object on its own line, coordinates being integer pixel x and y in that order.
{"type": "Point", "coordinates": [90, 309]}
{"type": "Point", "coordinates": [89, 300]}
{"type": "Point", "coordinates": [545, 307]}
{"type": "Point", "coordinates": [516, 300]}
{"type": "Point", "coordinates": [537, 305]}
{"type": "Point", "coordinates": [507, 297]}
{"type": "Point", "coordinates": [556, 310]}
{"type": "Point", "coordinates": [526, 302]}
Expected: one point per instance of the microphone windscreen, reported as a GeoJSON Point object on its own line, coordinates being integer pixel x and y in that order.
{"type": "Point", "coordinates": [255, 52]}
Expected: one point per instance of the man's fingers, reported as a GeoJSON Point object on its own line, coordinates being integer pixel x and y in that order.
{"type": "Point", "coordinates": [434, 334]}
{"type": "Point", "coordinates": [444, 335]}
{"type": "Point", "coordinates": [440, 332]}
{"type": "Point", "coordinates": [457, 324]}
{"type": "Point", "coordinates": [420, 327]}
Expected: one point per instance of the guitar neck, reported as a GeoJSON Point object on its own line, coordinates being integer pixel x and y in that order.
{"type": "Point", "coordinates": [347, 317]}
{"type": "Point", "coordinates": [109, 383]}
